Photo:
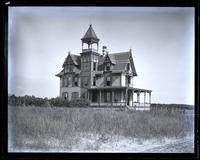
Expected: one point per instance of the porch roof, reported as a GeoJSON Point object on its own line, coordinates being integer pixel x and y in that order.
{"type": "Point", "coordinates": [120, 87]}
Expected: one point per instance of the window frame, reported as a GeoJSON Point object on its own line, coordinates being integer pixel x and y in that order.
{"type": "Point", "coordinates": [94, 81]}
{"type": "Point", "coordinates": [108, 81]}
{"type": "Point", "coordinates": [108, 66]}
{"type": "Point", "coordinates": [94, 66]}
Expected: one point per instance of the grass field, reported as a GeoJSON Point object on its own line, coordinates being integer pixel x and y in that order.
{"type": "Point", "coordinates": [65, 128]}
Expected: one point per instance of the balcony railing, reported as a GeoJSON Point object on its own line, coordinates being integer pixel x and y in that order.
{"type": "Point", "coordinates": [89, 50]}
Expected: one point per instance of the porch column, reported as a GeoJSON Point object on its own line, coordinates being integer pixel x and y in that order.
{"type": "Point", "coordinates": [149, 97]}
{"type": "Point", "coordinates": [99, 97]}
{"type": "Point", "coordinates": [126, 97]}
{"type": "Point", "coordinates": [144, 98]}
{"type": "Point", "coordinates": [121, 101]}
{"type": "Point", "coordinates": [132, 98]}
{"type": "Point", "coordinates": [88, 95]}
{"type": "Point", "coordinates": [112, 97]}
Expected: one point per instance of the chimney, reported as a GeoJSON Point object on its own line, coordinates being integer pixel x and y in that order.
{"type": "Point", "coordinates": [104, 50]}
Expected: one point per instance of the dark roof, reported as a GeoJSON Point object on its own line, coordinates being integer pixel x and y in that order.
{"type": "Point", "coordinates": [90, 35]}
{"type": "Point", "coordinates": [76, 59]}
{"type": "Point", "coordinates": [60, 73]}
{"type": "Point", "coordinates": [121, 56]}
{"type": "Point", "coordinates": [112, 58]}
{"type": "Point", "coordinates": [120, 61]}
{"type": "Point", "coordinates": [120, 66]}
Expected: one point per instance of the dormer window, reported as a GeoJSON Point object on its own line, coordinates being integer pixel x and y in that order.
{"type": "Point", "coordinates": [107, 66]}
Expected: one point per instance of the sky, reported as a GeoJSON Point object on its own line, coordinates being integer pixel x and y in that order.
{"type": "Point", "coordinates": [161, 39]}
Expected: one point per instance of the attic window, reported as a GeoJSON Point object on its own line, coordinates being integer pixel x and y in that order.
{"type": "Point", "coordinates": [108, 66]}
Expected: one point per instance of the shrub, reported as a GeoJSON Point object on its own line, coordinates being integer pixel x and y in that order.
{"type": "Point", "coordinates": [46, 104]}
{"type": "Point", "coordinates": [79, 103]}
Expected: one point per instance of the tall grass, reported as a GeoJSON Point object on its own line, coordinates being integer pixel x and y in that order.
{"type": "Point", "coordinates": [66, 124]}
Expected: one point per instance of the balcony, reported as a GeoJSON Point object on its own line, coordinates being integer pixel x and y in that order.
{"type": "Point", "coordinates": [90, 50]}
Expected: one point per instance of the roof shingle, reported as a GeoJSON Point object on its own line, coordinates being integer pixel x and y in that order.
{"type": "Point", "coordinates": [90, 34]}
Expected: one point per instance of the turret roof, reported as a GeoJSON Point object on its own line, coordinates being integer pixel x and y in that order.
{"type": "Point", "coordinates": [90, 35]}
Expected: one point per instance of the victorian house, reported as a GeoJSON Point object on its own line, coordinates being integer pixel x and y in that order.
{"type": "Point", "coordinates": [105, 79]}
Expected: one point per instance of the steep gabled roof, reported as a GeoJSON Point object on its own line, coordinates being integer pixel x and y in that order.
{"type": "Point", "coordinates": [120, 66]}
{"type": "Point", "coordinates": [120, 61]}
{"type": "Point", "coordinates": [112, 58]}
{"type": "Point", "coordinates": [90, 35]}
{"type": "Point", "coordinates": [75, 58]}
{"type": "Point", "coordinates": [60, 73]}
{"type": "Point", "coordinates": [121, 56]}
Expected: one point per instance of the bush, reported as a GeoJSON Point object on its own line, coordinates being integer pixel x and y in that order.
{"type": "Point", "coordinates": [79, 103]}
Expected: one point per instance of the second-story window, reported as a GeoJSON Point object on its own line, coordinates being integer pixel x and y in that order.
{"type": "Point", "coordinates": [94, 66]}
{"type": "Point", "coordinates": [94, 81]}
{"type": "Point", "coordinates": [76, 81]}
{"type": "Point", "coordinates": [65, 82]}
{"type": "Point", "coordinates": [108, 81]}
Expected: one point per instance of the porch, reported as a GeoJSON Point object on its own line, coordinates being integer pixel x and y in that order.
{"type": "Point", "coordinates": [120, 97]}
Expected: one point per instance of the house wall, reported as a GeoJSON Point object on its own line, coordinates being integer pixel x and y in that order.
{"type": "Point", "coordinates": [100, 82]}
{"type": "Point", "coordinates": [116, 80]}
{"type": "Point", "coordinates": [69, 90]}
{"type": "Point", "coordinates": [60, 87]}
{"type": "Point", "coordinates": [123, 80]}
